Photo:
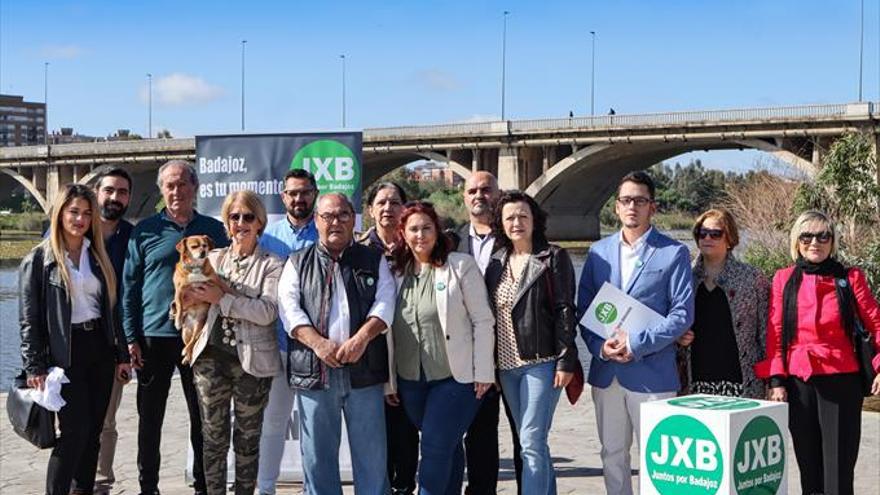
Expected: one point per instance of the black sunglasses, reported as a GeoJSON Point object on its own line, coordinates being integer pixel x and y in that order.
{"type": "Point", "coordinates": [823, 237]}
{"type": "Point", "coordinates": [713, 233]}
{"type": "Point", "coordinates": [245, 217]}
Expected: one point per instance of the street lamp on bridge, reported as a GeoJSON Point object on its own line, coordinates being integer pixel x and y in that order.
{"type": "Point", "coordinates": [503, 62]}
{"type": "Point", "coordinates": [593, 75]}
{"type": "Point", "coordinates": [861, 48]}
{"type": "Point", "coordinates": [149, 105]}
{"type": "Point", "coordinates": [46, 102]}
{"type": "Point", "coordinates": [243, 42]}
{"type": "Point", "coordinates": [342, 57]}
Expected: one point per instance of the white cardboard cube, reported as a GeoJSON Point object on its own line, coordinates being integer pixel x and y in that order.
{"type": "Point", "coordinates": [712, 445]}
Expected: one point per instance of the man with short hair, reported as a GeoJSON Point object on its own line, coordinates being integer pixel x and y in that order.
{"type": "Point", "coordinates": [481, 194]}
{"type": "Point", "coordinates": [294, 232]}
{"type": "Point", "coordinates": [336, 300]}
{"type": "Point", "coordinates": [628, 369]}
{"type": "Point", "coordinates": [113, 190]}
{"type": "Point", "coordinates": [154, 343]}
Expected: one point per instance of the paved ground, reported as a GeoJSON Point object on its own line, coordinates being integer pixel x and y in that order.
{"type": "Point", "coordinates": [574, 444]}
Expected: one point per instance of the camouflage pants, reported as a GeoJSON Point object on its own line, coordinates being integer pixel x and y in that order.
{"type": "Point", "coordinates": [220, 378]}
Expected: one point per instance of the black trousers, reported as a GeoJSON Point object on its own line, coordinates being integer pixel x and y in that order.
{"type": "Point", "coordinates": [825, 420]}
{"type": "Point", "coordinates": [75, 456]}
{"type": "Point", "coordinates": [161, 356]}
{"type": "Point", "coordinates": [403, 450]}
{"type": "Point", "coordinates": [481, 447]}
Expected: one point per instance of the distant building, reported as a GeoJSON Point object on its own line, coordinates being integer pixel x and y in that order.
{"type": "Point", "coordinates": [432, 171]}
{"type": "Point", "coordinates": [22, 123]}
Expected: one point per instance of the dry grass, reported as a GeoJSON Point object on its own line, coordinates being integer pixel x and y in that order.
{"type": "Point", "coordinates": [762, 207]}
{"type": "Point", "coordinates": [15, 250]}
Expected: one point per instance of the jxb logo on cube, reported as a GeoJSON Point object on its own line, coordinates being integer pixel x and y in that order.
{"type": "Point", "coordinates": [683, 457]}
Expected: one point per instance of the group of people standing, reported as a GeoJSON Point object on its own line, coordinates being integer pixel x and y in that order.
{"type": "Point", "coordinates": [416, 336]}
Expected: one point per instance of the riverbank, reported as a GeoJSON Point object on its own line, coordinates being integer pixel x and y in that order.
{"type": "Point", "coordinates": [574, 443]}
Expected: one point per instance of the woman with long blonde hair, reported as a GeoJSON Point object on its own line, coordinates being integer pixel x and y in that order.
{"type": "Point", "coordinates": [67, 298]}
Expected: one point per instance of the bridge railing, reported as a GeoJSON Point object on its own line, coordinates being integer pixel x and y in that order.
{"type": "Point", "coordinates": [454, 129]}
{"type": "Point", "coordinates": [633, 120]}
{"type": "Point", "coordinates": [677, 118]}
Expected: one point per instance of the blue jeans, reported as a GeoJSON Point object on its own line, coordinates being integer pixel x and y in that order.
{"type": "Point", "coordinates": [443, 410]}
{"type": "Point", "coordinates": [529, 392]}
{"type": "Point", "coordinates": [321, 430]}
{"type": "Point", "coordinates": [277, 418]}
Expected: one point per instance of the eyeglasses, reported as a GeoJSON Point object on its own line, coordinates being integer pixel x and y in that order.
{"type": "Point", "coordinates": [713, 233]}
{"type": "Point", "coordinates": [343, 217]}
{"type": "Point", "coordinates": [244, 217]}
{"type": "Point", "coordinates": [292, 193]}
{"type": "Point", "coordinates": [806, 238]}
{"type": "Point", "coordinates": [639, 201]}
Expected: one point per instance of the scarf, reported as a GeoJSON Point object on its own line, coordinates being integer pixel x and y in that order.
{"type": "Point", "coordinates": [828, 267]}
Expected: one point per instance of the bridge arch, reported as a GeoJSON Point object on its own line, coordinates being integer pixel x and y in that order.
{"type": "Point", "coordinates": [574, 190]}
{"type": "Point", "coordinates": [30, 186]}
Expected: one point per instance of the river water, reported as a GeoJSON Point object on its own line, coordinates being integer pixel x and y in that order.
{"type": "Point", "coordinates": [10, 356]}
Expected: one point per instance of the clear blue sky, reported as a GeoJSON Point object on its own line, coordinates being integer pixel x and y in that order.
{"type": "Point", "coordinates": [418, 62]}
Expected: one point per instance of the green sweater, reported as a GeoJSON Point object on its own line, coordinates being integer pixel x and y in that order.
{"type": "Point", "coordinates": [147, 280]}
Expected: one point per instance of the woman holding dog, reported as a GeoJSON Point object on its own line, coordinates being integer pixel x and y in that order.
{"type": "Point", "coordinates": [236, 355]}
{"type": "Point", "coordinates": [67, 294]}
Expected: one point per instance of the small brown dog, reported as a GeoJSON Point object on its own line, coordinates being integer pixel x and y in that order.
{"type": "Point", "coordinates": [190, 315]}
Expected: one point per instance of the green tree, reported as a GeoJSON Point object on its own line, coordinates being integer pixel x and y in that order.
{"type": "Point", "coordinates": [847, 188]}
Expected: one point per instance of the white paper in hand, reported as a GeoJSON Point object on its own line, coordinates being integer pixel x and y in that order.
{"type": "Point", "coordinates": [50, 396]}
{"type": "Point", "coordinates": [612, 308]}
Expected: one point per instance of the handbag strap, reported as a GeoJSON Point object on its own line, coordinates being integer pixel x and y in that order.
{"type": "Point", "coordinates": [849, 312]}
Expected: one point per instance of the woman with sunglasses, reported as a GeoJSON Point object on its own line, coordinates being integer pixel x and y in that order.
{"type": "Point", "coordinates": [810, 360]}
{"type": "Point", "coordinates": [67, 293]}
{"type": "Point", "coordinates": [443, 344]}
{"type": "Point", "coordinates": [727, 337]}
{"type": "Point", "coordinates": [236, 355]}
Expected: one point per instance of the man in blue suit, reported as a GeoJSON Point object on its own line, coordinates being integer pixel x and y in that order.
{"type": "Point", "coordinates": [628, 369]}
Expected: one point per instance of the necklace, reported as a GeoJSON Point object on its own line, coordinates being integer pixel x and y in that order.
{"type": "Point", "coordinates": [517, 264]}
{"type": "Point", "coordinates": [234, 277]}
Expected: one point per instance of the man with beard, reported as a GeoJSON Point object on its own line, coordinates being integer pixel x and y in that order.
{"type": "Point", "coordinates": [481, 442]}
{"type": "Point", "coordinates": [288, 235]}
{"type": "Point", "coordinates": [113, 189]}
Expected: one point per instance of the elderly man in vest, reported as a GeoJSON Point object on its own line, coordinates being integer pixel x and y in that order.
{"type": "Point", "coordinates": [336, 301]}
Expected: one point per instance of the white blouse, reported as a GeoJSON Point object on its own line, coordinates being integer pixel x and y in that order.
{"type": "Point", "coordinates": [85, 293]}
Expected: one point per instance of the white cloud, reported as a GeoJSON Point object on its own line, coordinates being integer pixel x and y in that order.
{"type": "Point", "coordinates": [66, 52]}
{"type": "Point", "coordinates": [437, 80]}
{"type": "Point", "coordinates": [180, 89]}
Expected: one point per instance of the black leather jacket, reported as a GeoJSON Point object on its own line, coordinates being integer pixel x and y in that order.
{"type": "Point", "coordinates": [44, 313]}
{"type": "Point", "coordinates": [544, 310]}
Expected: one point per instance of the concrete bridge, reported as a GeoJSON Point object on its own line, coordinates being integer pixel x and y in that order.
{"type": "Point", "coordinates": [570, 165]}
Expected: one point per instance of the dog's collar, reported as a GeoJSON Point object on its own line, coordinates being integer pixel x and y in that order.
{"type": "Point", "coordinates": [194, 268]}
